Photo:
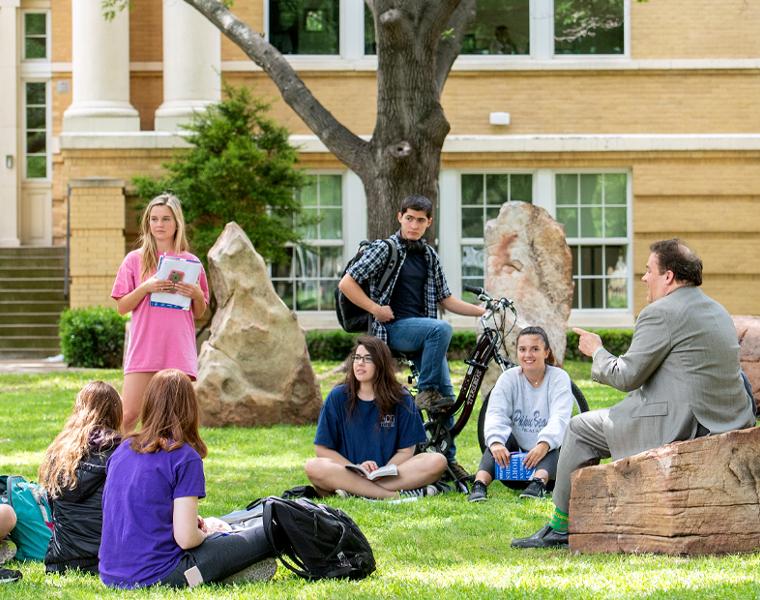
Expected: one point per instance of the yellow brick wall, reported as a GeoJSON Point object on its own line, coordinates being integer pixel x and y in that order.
{"type": "Point", "coordinates": [146, 31]}
{"type": "Point", "coordinates": [97, 239]}
{"type": "Point", "coordinates": [250, 12]}
{"type": "Point", "coordinates": [695, 29]}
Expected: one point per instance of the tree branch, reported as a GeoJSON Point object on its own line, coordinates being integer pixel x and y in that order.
{"type": "Point", "coordinates": [451, 44]}
{"type": "Point", "coordinates": [347, 147]}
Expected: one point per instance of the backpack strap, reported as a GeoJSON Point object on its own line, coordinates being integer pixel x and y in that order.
{"type": "Point", "coordinates": [269, 524]}
{"type": "Point", "coordinates": [390, 265]}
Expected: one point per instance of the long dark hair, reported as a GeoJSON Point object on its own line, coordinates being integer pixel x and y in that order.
{"type": "Point", "coordinates": [94, 424]}
{"type": "Point", "coordinates": [388, 391]}
{"type": "Point", "coordinates": [539, 331]}
{"type": "Point", "coordinates": [170, 415]}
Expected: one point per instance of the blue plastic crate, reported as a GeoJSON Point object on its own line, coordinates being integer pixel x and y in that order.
{"type": "Point", "coordinates": [516, 470]}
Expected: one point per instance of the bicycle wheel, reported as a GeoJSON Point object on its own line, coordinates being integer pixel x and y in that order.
{"type": "Point", "coordinates": [580, 402]}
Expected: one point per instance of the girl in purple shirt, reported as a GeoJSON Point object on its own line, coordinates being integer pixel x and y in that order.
{"type": "Point", "coordinates": [160, 337]}
{"type": "Point", "coordinates": [152, 532]}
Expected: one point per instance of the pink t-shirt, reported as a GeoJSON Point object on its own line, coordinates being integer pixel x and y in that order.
{"type": "Point", "coordinates": [159, 337]}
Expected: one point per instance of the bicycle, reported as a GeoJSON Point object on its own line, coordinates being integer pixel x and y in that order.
{"type": "Point", "coordinates": [491, 346]}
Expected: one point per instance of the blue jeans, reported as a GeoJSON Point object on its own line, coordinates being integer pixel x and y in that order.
{"type": "Point", "coordinates": [426, 341]}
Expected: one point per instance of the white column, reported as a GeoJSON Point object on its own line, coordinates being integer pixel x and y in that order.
{"type": "Point", "coordinates": [351, 29]}
{"type": "Point", "coordinates": [9, 124]}
{"type": "Point", "coordinates": [354, 214]}
{"type": "Point", "coordinates": [192, 65]}
{"type": "Point", "coordinates": [449, 228]}
{"type": "Point", "coordinates": [100, 71]}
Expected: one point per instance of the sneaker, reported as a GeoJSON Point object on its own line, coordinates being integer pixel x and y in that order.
{"type": "Point", "coordinates": [7, 551]}
{"type": "Point", "coordinates": [9, 575]}
{"type": "Point", "coordinates": [343, 494]}
{"type": "Point", "coordinates": [479, 492]}
{"type": "Point", "coordinates": [263, 570]}
{"type": "Point", "coordinates": [433, 400]}
{"type": "Point", "coordinates": [536, 489]}
{"type": "Point", "coordinates": [420, 492]}
{"type": "Point", "coordinates": [459, 472]}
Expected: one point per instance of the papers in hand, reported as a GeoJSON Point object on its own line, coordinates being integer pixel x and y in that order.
{"type": "Point", "coordinates": [389, 470]}
{"type": "Point", "coordinates": [178, 270]}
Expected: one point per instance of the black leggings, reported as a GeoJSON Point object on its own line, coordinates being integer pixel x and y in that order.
{"type": "Point", "coordinates": [222, 554]}
{"type": "Point", "coordinates": [548, 462]}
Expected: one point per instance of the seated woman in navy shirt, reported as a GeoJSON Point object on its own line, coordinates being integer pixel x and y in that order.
{"type": "Point", "coordinates": [371, 420]}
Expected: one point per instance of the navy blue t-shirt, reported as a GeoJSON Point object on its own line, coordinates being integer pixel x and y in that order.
{"type": "Point", "coordinates": [408, 297]}
{"type": "Point", "coordinates": [362, 435]}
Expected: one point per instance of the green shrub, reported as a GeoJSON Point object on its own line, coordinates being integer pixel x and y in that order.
{"type": "Point", "coordinates": [615, 341]}
{"type": "Point", "coordinates": [336, 344]}
{"type": "Point", "coordinates": [92, 337]}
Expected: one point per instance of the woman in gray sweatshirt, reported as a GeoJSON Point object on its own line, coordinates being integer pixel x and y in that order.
{"type": "Point", "coordinates": [528, 411]}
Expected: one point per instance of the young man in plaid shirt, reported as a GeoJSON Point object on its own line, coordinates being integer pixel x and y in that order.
{"type": "Point", "coordinates": [405, 314]}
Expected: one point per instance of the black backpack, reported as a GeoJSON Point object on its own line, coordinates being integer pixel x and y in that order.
{"type": "Point", "coordinates": [352, 318]}
{"type": "Point", "coordinates": [322, 542]}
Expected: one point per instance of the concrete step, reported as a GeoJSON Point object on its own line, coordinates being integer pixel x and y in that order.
{"type": "Point", "coordinates": [32, 306]}
{"type": "Point", "coordinates": [32, 259]}
{"type": "Point", "coordinates": [22, 329]}
{"type": "Point", "coordinates": [39, 318]}
{"type": "Point", "coordinates": [49, 251]}
{"type": "Point", "coordinates": [27, 353]}
{"type": "Point", "coordinates": [29, 342]}
{"type": "Point", "coordinates": [27, 295]}
{"type": "Point", "coordinates": [34, 271]}
{"type": "Point", "coordinates": [31, 283]}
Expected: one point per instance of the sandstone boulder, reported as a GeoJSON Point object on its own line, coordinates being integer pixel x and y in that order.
{"type": "Point", "coordinates": [748, 330]}
{"type": "Point", "coordinates": [529, 261]}
{"type": "Point", "coordinates": [254, 369]}
{"type": "Point", "coordinates": [693, 497]}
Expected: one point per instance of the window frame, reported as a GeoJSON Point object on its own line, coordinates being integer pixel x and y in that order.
{"type": "Point", "coordinates": [48, 117]}
{"type": "Point", "coordinates": [603, 241]}
{"type": "Point", "coordinates": [340, 243]}
{"type": "Point", "coordinates": [23, 36]}
{"type": "Point", "coordinates": [474, 241]}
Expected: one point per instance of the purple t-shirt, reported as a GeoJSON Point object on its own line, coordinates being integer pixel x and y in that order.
{"type": "Point", "coordinates": [137, 546]}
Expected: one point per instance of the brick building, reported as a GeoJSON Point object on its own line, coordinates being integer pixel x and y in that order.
{"type": "Point", "coordinates": [642, 126]}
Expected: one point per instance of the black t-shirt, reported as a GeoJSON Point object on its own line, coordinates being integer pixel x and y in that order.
{"type": "Point", "coordinates": [408, 298]}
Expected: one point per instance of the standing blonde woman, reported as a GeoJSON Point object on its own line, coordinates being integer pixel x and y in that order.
{"type": "Point", "coordinates": [160, 337]}
{"type": "Point", "coordinates": [74, 472]}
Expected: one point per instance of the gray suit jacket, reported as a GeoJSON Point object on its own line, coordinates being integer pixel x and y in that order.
{"type": "Point", "coordinates": [682, 369]}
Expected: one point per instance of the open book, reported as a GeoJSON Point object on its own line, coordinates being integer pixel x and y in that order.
{"type": "Point", "coordinates": [175, 269]}
{"type": "Point", "coordinates": [388, 470]}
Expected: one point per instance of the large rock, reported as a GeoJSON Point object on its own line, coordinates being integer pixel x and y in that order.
{"type": "Point", "coordinates": [254, 369]}
{"type": "Point", "coordinates": [694, 497]}
{"type": "Point", "coordinates": [529, 262]}
{"type": "Point", "coordinates": [748, 330]}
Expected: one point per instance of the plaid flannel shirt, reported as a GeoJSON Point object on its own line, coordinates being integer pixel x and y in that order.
{"type": "Point", "coordinates": [370, 268]}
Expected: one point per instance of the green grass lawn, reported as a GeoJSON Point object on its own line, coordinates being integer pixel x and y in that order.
{"type": "Point", "coordinates": [433, 548]}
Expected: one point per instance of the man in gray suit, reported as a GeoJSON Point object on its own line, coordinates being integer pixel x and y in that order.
{"type": "Point", "coordinates": [681, 372]}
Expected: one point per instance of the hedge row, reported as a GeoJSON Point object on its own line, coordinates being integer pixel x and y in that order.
{"type": "Point", "coordinates": [336, 344]}
{"type": "Point", "coordinates": [94, 337]}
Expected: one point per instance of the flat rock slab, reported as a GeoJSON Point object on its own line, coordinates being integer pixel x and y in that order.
{"type": "Point", "coordinates": [694, 497]}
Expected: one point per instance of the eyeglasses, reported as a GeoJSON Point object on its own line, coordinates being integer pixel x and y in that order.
{"type": "Point", "coordinates": [366, 359]}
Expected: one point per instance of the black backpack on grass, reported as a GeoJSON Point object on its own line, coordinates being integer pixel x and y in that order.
{"type": "Point", "coordinates": [352, 318]}
{"type": "Point", "coordinates": [320, 542]}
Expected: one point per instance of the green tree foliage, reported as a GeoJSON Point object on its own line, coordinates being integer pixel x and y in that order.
{"type": "Point", "coordinates": [240, 168]}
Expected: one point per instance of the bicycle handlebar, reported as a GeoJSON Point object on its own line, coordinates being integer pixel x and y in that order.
{"type": "Point", "coordinates": [491, 302]}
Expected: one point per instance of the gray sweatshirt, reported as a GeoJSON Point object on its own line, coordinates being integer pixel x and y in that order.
{"type": "Point", "coordinates": [532, 414]}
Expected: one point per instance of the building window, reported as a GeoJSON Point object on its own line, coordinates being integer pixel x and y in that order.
{"type": "Point", "coordinates": [593, 208]}
{"type": "Point", "coordinates": [308, 278]}
{"type": "Point", "coordinates": [35, 36]}
{"type": "Point", "coordinates": [35, 138]}
{"type": "Point", "coordinates": [304, 26]}
{"type": "Point", "coordinates": [499, 27]}
{"type": "Point", "coordinates": [589, 27]}
{"type": "Point", "coordinates": [482, 195]}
